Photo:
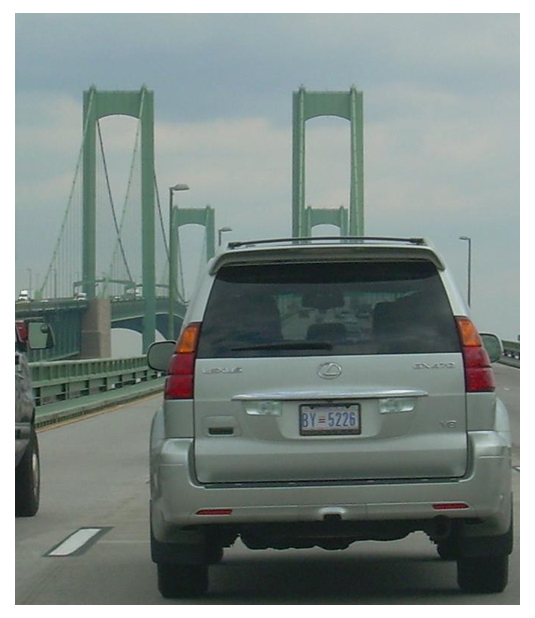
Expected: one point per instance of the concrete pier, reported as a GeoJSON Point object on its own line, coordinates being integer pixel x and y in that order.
{"type": "Point", "coordinates": [96, 329]}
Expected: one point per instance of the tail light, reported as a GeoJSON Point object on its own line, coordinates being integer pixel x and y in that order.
{"type": "Point", "coordinates": [179, 382]}
{"type": "Point", "coordinates": [479, 377]}
{"type": "Point", "coordinates": [22, 330]}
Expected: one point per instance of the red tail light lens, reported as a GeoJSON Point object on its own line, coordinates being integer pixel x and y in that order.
{"type": "Point", "coordinates": [479, 376]}
{"type": "Point", "coordinates": [214, 512]}
{"type": "Point", "coordinates": [22, 330]}
{"type": "Point", "coordinates": [450, 506]}
{"type": "Point", "coordinates": [179, 382]}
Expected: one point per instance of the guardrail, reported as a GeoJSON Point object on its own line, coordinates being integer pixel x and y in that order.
{"type": "Point", "coordinates": [511, 353]}
{"type": "Point", "coordinates": [67, 389]}
{"type": "Point", "coordinates": [59, 381]}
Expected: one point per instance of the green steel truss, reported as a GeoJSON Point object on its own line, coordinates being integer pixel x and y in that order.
{"type": "Point", "coordinates": [307, 105]}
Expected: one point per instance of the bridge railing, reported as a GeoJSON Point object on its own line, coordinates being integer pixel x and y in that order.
{"type": "Point", "coordinates": [511, 353]}
{"type": "Point", "coordinates": [61, 387]}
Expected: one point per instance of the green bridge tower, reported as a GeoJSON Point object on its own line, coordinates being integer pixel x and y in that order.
{"type": "Point", "coordinates": [138, 104]}
{"type": "Point", "coordinates": [307, 105]}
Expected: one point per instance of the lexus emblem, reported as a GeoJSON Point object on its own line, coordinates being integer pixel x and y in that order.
{"type": "Point", "coordinates": [329, 371]}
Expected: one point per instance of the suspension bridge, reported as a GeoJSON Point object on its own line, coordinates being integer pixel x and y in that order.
{"type": "Point", "coordinates": [85, 293]}
{"type": "Point", "coordinates": [120, 237]}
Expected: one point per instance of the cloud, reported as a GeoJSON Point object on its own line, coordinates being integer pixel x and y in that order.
{"type": "Point", "coordinates": [232, 65]}
{"type": "Point", "coordinates": [235, 165]}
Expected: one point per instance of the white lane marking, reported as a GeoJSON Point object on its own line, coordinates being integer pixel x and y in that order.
{"type": "Point", "coordinates": [75, 542]}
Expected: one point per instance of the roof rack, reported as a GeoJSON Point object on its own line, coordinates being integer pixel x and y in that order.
{"type": "Point", "coordinates": [354, 239]}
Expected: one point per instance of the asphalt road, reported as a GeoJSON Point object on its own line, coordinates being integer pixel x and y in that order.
{"type": "Point", "coordinates": [95, 474]}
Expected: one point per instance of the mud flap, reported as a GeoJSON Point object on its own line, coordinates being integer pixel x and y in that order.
{"type": "Point", "coordinates": [195, 552]}
{"type": "Point", "coordinates": [473, 546]}
{"type": "Point", "coordinates": [479, 546]}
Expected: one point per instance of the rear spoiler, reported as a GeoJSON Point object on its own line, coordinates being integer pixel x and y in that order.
{"type": "Point", "coordinates": [323, 239]}
{"type": "Point", "coordinates": [302, 252]}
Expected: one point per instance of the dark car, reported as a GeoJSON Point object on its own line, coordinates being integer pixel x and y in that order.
{"type": "Point", "coordinates": [35, 335]}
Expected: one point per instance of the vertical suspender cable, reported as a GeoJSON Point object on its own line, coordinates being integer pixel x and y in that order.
{"type": "Point", "coordinates": [117, 229]}
{"type": "Point", "coordinates": [120, 227]}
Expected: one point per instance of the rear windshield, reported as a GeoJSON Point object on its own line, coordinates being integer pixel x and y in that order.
{"type": "Point", "coordinates": [324, 309]}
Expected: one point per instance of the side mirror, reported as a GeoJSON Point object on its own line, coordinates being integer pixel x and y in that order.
{"type": "Point", "coordinates": [40, 336]}
{"type": "Point", "coordinates": [159, 354]}
{"type": "Point", "coordinates": [493, 345]}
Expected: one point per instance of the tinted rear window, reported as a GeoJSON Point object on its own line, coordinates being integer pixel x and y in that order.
{"type": "Point", "coordinates": [327, 309]}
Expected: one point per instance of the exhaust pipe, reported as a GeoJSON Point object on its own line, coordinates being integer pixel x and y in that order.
{"type": "Point", "coordinates": [443, 528]}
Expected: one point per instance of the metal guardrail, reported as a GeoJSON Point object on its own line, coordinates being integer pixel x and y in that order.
{"type": "Point", "coordinates": [511, 353]}
{"type": "Point", "coordinates": [60, 381]}
{"type": "Point", "coordinates": [511, 349]}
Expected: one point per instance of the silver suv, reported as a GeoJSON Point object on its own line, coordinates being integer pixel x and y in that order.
{"type": "Point", "coordinates": [325, 391]}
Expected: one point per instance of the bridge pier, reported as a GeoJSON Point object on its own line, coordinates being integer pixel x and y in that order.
{"type": "Point", "coordinates": [96, 329]}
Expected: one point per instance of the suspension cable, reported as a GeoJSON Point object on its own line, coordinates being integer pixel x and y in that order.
{"type": "Point", "coordinates": [117, 230]}
{"type": "Point", "coordinates": [160, 217]}
{"type": "Point", "coordinates": [71, 193]}
{"type": "Point", "coordinates": [127, 195]}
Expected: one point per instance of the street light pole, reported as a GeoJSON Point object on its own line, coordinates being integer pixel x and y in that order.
{"type": "Point", "coordinates": [220, 232]}
{"type": "Point", "coordinates": [469, 240]}
{"type": "Point", "coordinates": [172, 283]}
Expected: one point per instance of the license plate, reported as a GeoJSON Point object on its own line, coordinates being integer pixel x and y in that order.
{"type": "Point", "coordinates": [329, 420]}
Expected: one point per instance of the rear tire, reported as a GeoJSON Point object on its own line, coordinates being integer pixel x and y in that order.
{"type": "Point", "coordinates": [486, 574]}
{"type": "Point", "coordinates": [447, 551]}
{"type": "Point", "coordinates": [28, 480]}
{"type": "Point", "coordinates": [215, 554]}
{"type": "Point", "coordinates": [179, 581]}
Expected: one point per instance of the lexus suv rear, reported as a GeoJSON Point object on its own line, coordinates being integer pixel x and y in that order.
{"type": "Point", "coordinates": [325, 391]}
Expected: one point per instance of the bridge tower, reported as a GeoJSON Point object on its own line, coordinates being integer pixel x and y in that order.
{"type": "Point", "coordinates": [326, 216]}
{"type": "Point", "coordinates": [307, 105]}
{"type": "Point", "coordinates": [180, 217]}
{"type": "Point", "coordinates": [140, 105]}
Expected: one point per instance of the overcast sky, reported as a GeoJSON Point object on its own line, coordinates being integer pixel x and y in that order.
{"type": "Point", "coordinates": [441, 127]}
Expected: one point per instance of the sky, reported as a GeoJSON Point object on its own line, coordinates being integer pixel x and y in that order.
{"type": "Point", "coordinates": [441, 129]}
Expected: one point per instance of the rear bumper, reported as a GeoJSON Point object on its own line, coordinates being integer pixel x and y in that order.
{"type": "Point", "coordinates": [177, 497]}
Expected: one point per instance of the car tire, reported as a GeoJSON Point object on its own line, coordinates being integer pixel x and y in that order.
{"type": "Point", "coordinates": [178, 581]}
{"type": "Point", "coordinates": [215, 554]}
{"type": "Point", "coordinates": [28, 480]}
{"type": "Point", "coordinates": [485, 574]}
{"type": "Point", "coordinates": [447, 550]}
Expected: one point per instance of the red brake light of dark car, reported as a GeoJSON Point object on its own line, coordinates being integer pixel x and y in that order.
{"type": "Point", "coordinates": [22, 330]}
